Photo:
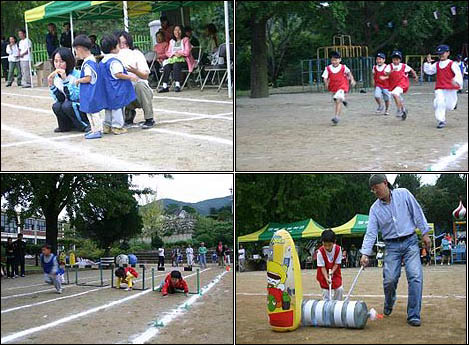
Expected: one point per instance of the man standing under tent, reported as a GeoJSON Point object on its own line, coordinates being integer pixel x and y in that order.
{"type": "Point", "coordinates": [66, 36]}
{"type": "Point", "coordinates": [396, 213]}
{"type": "Point", "coordinates": [24, 47]}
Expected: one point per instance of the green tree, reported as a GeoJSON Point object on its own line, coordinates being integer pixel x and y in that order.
{"type": "Point", "coordinates": [410, 181]}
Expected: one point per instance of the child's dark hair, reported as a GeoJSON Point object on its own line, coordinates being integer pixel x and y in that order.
{"type": "Point", "coordinates": [160, 32]}
{"type": "Point", "coordinates": [82, 41]}
{"type": "Point", "coordinates": [128, 38]}
{"type": "Point", "coordinates": [22, 30]}
{"type": "Point", "coordinates": [176, 274]}
{"type": "Point", "coordinates": [14, 37]}
{"type": "Point", "coordinates": [108, 43]}
{"type": "Point", "coordinates": [67, 56]}
{"type": "Point", "coordinates": [328, 236]}
{"type": "Point", "coordinates": [120, 272]}
{"type": "Point", "coordinates": [180, 28]}
{"type": "Point", "coordinates": [335, 55]}
{"type": "Point", "coordinates": [212, 29]}
{"type": "Point", "coordinates": [47, 246]}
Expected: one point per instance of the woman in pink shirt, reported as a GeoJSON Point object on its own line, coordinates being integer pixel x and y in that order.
{"type": "Point", "coordinates": [178, 55]}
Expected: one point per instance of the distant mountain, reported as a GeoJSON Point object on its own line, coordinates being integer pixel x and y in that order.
{"type": "Point", "coordinates": [203, 207]}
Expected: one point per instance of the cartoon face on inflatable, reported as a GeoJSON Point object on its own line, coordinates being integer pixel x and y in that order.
{"type": "Point", "coordinates": [276, 275]}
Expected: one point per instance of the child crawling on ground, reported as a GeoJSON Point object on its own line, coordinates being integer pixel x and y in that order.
{"type": "Point", "coordinates": [126, 276]}
{"type": "Point", "coordinates": [50, 266]}
{"type": "Point", "coordinates": [174, 282]}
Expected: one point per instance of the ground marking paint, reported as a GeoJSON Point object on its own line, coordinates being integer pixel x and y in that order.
{"type": "Point", "coordinates": [27, 142]}
{"type": "Point", "coordinates": [99, 159]}
{"type": "Point", "coordinates": [29, 331]}
{"type": "Point", "coordinates": [444, 162]}
{"type": "Point", "coordinates": [194, 136]}
{"type": "Point", "coordinates": [380, 296]}
{"type": "Point", "coordinates": [28, 286]}
{"type": "Point", "coordinates": [173, 314]}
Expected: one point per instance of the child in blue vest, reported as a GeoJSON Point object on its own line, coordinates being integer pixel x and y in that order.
{"type": "Point", "coordinates": [50, 266]}
{"type": "Point", "coordinates": [92, 96]}
{"type": "Point", "coordinates": [117, 86]}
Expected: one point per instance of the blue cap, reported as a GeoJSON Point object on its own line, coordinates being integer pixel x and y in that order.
{"type": "Point", "coordinates": [396, 53]}
{"type": "Point", "coordinates": [381, 55]}
{"type": "Point", "coordinates": [442, 48]}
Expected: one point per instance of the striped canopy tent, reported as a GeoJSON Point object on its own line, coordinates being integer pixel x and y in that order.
{"type": "Point", "coordinates": [100, 10]}
{"type": "Point", "coordinates": [303, 229]}
{"type": "Point", "coordinates": [356, 227]}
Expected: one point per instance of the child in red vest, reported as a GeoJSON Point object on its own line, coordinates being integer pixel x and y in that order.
{"type": "Point", "coordinates": [330, 258]}
{"type": "Point", "coordinates": [448, 82]}
{"type": "Point", "coordinates": [381, 86]}
{"type": "Point", "coordinates": [336, 78]}
{"type": "Point", "coordinates": [174, 282]}
{"type": "Point", "coordinates": [126, 276]}
{"type": "Point", "coordinates": [398, 75]}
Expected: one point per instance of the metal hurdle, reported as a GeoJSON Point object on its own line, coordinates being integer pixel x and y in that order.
{"type": "Point", "coordinates": [126, 265]}
{"type": "Point", "coordinates": [67, 277]}
{"type": "Point", "coordinates": [190, 292]}
{"type": "Point", "coordinates": [102, 284]}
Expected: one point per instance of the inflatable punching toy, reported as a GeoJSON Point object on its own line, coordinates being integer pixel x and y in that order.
{"type": "Point", "coordinates": [285, 305]}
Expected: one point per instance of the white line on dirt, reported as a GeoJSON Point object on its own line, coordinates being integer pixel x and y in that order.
{"type": "Point", "coordinates": [31, 96]}
{"type": "Point", "coordinates": [29, 331]}
{"type": "Point", "coordinates": [444, 162]}
{"type": "Point", "coordinates": [106, 161]}
{"type": "Point", "coordinates": [380, 296]}
{"type": "Point", "coordinates": [27, 142]}
{"type": "Point", "coordinates": [194, 136]}
{"type": "Point", "coordinates": [173, 314]}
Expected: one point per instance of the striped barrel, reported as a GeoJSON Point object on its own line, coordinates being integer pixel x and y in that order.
{"type": "Point", "coordinates": [350, 314]}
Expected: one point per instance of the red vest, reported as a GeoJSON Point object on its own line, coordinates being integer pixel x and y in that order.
{"type": "Point", "coordinates": [398, 79]}
{"type": "Point", "coordinates": [336, 277]}
{"type": "Point", "coordinates": [384, 84]}
{"type": "Point", "coordinates": [337, 81]}
{"type": "Point", "coordinates": [132, 271]}
{"type": "Point", "coordinates": [444, 77]}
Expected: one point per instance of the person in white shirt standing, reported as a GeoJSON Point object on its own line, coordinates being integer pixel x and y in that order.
{"type": "Point", "coordinates": [13, 61]}
{"type": "Point", "coordinates": [160, 257]}
{"type": "Point", "coordinates": [25, 56]}
{"type": "Point", "coordinates": [448, 82]}
{"type": "Point", "coordinates": [190, 255]}
{"type": "Point", "coordinates": [241, 258]}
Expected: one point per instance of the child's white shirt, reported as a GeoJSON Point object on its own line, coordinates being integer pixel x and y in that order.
{"type": "Point", "coordinates": [391, 67]}
{"type": "Point", "coordinates": [330, 257]}
{"type": "Point", "coordinates": [379, 68]}
{"type": "Point", "coordinates": [116, 67]}
{"type": "Point", "coordinates": [429, 68]}
{"type": "Point", "coordinates": [88, 71]}
{"type": "Point", "coordinates": [334, 70]}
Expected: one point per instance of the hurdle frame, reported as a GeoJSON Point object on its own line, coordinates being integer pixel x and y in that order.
{"type": "Point", "coordinates": [67, 274]}
{"type": "Point", "coordinates": [102, 284]}
{"type": "Point", "coordinates": [143, 288]}
{"type": "Point", "coordinates": [190, 292]}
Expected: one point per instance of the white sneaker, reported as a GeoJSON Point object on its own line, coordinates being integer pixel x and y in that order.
{"type": "Point", "coordinates": [441, 264]}
{"type": "Point", "coordinates": [449, 264]}
{"type": "Point", "coordinates": [128, 289]}
{"type": "Point", "coordinates": [60, 291]}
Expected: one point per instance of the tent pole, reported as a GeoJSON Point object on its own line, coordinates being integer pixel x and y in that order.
{"type": "Point", "coordinates": [126, 16]}
{"type": "Point", "coordinates": [228, 53]}
{"type": "Point", "coordinates": [434, 246]}
{"type": "Point", "coordinates": [182, 17]}
{"type": "Point", "coordinates": [71, 31]}
{"type": "Point", "coordinates": [30, 53]}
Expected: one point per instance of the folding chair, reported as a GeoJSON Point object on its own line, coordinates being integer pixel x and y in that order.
{"type": "Point", "coordinates": [217, 69]}
{"type": "Point", "coordinates": [197, 54]}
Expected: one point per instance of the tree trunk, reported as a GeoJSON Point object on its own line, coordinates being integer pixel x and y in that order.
{"type": "Point", "coordinates": [259, 75]}
{"type": "Point", "coordinates": [52, 232]}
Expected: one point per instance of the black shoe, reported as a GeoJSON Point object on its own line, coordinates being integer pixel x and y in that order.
{"type": "Point", "coordinates": [130, 115]}
{"type": "Point", "coordinates": [415, 323]}
{"type": "Point", "coordinates": [345, 103]}
{"type": "Point", "coordinates": [163, 89]}
{"type": "Point", "coordinates": [148, 124]}
{"type": "Point", "coordinates": [404, 114]}
{"type": "Point", "coordinates": [455, 107]}
{"type": "Point", "coordinates": [58, 130]}
{"type": "Point", "coordinates": [177, 89]}
{"type": "Point", "coordinates": [8, 84]}
{"type": "Point", "coordinates": [387, 311]}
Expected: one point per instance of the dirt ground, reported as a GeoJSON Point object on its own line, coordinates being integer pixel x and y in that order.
{"type": "Point", "coordinates": [194, 131]}
{"type": "Point", "coordinates": [211, 316]}
{"type": "Point", "coordinates": [443, 313]}
{"type": "Point", "coordinates": [295, 132]}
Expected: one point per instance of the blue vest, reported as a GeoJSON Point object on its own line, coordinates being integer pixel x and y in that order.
{"type": "Point", "coordinates": [47, 265]}
{"type": "Point", "coordinates": [119, 92]}
{"type": "Point", "coordinates": [92, 96]}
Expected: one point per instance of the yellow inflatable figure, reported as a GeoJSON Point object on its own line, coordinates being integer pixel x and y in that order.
{"type": "Point", "coordinates": [72, 258]}
{"type": "Point", "coordinates": [284, 287]}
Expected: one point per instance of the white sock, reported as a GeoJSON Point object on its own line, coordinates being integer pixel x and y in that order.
{"type": "Point", "coordinates": [165, 85]}
{"type": "Point", "coordinates": [178, 84]}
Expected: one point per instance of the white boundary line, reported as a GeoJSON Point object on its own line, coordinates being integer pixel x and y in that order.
{"type": "Point", "coordinates": [106, 161]}
{"type": "Point", "coordinates": [380, 296]}
{"type": "Point", "coordinates": [194, 136]}
{"type": "Point", "coordinates": [444, 162]}
{"type": "Point", "coordinates": [29, 331]}
{"type": "Point", "coordinates": [173, 314]}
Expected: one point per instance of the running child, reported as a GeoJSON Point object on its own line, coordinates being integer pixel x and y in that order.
{"type": "Point", "coordinates": [92, 94]}
{"type": "Point", "coordinates": [397, 73]}
{"type": "Point", "coordinates": [117, 86]}
{"type": "Point", "coordinates": [50, 266]}
{"type": "Point", "coordinates": [381, 86]}
{"type": "Point", "coordinates": [126, 275]}
{"type": "Point", "coordinates": [174, 282]}
{"type": "Point", "coordinates": [336, 79]}
{"type": "Point", "coordinates": [329, 257]}
{"type": "Point", "coordinates": [448, 82]}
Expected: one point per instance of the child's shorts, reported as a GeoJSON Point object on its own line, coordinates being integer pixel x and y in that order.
{"type": "Point", "coordinates": [340, 94]}
{"type": "Point", "coordinates": [380, 92]}
{"type": "Point", "coordinates": [398, 91]}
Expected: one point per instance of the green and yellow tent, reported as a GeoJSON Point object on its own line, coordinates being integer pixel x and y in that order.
{"type": "Point", "coordinates": [302, 229]}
